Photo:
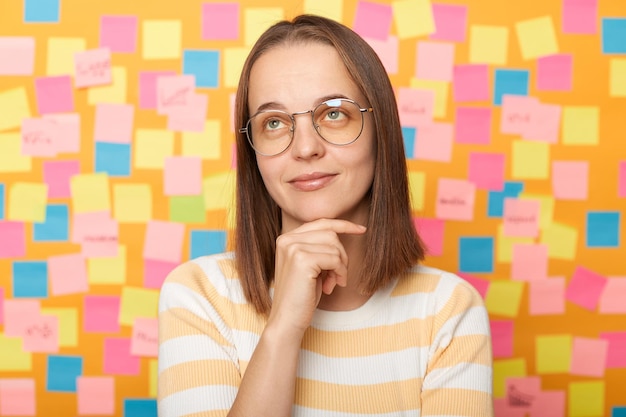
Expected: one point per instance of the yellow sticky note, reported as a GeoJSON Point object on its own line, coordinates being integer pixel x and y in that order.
{"type": "Point", "coordinates": [153, 366]}
{"type": "Point", "coordinates": [132, 203]}
{"type": "Point", "coordinates": [206, 144]}
{"type": "Point", "coordinates": [553, 354]}
{"type": "Point", "coordinates": [503, 369]}
{"type": "Point", "coordinates": [162, 39]}
{"type": "Point", "coordinates": [14, 108]}
{"type": "Point", "coordinates": [60, 58]}
{"type": "Point", "coordinates": [234, 59]}
{"type": "Point", "coordinates": [586, 398]}
{"type": "Point", "coordinates": [546, 207]}
{"type": "Point", "coordinates": [417, 188]}
{"type": "Point", "coordinates": [219, 191]}
{"type": "Point", "coordinates": [332, 9]}
{"type": "Point", "coordinates": [562, 241]}
{"type": "Point", "coordinates": [12, 356]}
{"type": "Point", "coordinates": [68, 324]}
{"type": "Point", "coordinates": [413, 18]}
{"type": "Point", "coordinates": [581, 125]}
{"type": "Point", "coordinates": [537, 37]}
{"type": "Point", "coordinates": [27, 202]}
{"type": "Point", "coordinates": [488, 44]}
{"type": "Point", "coordinates": [90, 192]}
{"type": "Point", "coordinates": [440, 88]}
{"type": "Point", "coordinates": [116, 92]}
{"type": "Point", "coordinates": [617, 83]}
{"type": "Point", "coordinates": [152, 146]}
{"type": "Point", "coordinates": [531, 160]}
{"type": "Point", "coordinates": [11, 158]}
{"type": "Point", "coordinates": [108, 270]}
{"type": "Point", "coordinates": [504, 245]}
{"type": "Point", "coordinates": [258, 19]}
{"type": "Point", "coordinates": [504, 298]}
{"type": "Point", "coordinates": [138, 303]}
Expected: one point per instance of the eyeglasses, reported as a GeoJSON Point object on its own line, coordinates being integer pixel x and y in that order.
{"type": "Point", "coordinates": [338, 121]}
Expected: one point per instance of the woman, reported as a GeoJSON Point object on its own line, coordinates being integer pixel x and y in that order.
{"type": "Point", "coordinates": [322, 310]}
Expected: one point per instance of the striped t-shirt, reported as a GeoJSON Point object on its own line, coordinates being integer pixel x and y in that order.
{"type": "Point", "coordinates": [419, 347]}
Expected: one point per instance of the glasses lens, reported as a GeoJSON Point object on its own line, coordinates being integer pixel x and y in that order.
{"type": "Point", "coordinates": [338, 121]}
{"type": "Point", "coordinates": [269, 132]}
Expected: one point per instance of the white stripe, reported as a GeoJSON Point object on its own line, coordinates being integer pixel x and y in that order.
{"type": "Point", "coordinates": [196, 400]}
{"type": "Point", "coordinates": [313, 412]}
{"type": "Point", "coordinates": [465, 375]}
{"type": "Point", "coordinates": [192, 348]}
{"type": "Point", "coordinates": [246, 343]}
{"type": "Point", "coordinates": [226, 287]}
{"type": "Point", "coordinates": [471, 322]}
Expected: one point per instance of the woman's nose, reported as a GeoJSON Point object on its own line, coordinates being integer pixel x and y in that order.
{"type": "Point", "coordinates": [307, 143]}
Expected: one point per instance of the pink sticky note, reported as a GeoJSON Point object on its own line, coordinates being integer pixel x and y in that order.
{"type": "Point", "coordinates": [580, 16]}
{"type": "Point", "coordinates": [548, 404]}
{"type": "Point", "coordinates": [67, 274]}
{"type": "Point", "coordinates": [388, 51]}
{"type": "Point", "coordinates": [470, 82]}
{"type": "Point", "coordinates": [114, 123]}
{"type": "Point", "coordinates": [97, 233]}
{"type": "Point", "coordinates": [589, 357]}
{"type": "Point", "coordinates": [119, 33]}
{"type": "Point", "coordinates": [54, 94]}
{"type": "Point", "coordinates": [502, 338]}
{"type": "Point", "coordinates": [473, 125]}
{"type": "Point", "coordinates": [554, 72]}
{"type": "Point", "coordinates": [12, 239]}
{"type": "Point", "coordinates": [373, 20]}
{"type": "Point", "coordinates": [486, 170]}
{"type": "Point", "coordinates": [521, 217]}
{"type": "Point", "coordinates": [17, 397]}
{"type": "Point", "coordinates": [183, 175]}
{"type": "Point", "coordinates": [530, 262]}
{"type": "Point", "coordinates": [164, 241]}
{"type": "Point", "coordinates": [434, 142]}
{"type": "Point", "coordinates": [570, 180]}
{"type": "Point", "coordinates": [481, 285]}
{"type": "Point", "coordinates": [521, 392]}
{"type": "Point", "coordinates": [39, 137]}
{"type": "Point", "coordinates": [174, 91]}
{"type": "Point", "coordinates": [613, 296]}
{"type": "Point", "coordinates": [1, 306]}
{"type": "Point", "coordinates": [95, 395]}
{"type": "Point", "coordinates": [92, 68]}
{"type": "Point", "coordinates": [547, 296]}
{"type": "Point", "coordinates": [431, 233]}
{"type": "Point", "coordinates": [516, 113]}
{"type": "Point", "coordinates": [450, 22]}
{"type": "Point", "coordinates": [57, 176]}
{"type": "Point", "coordinates": [434, 61]}
{"type": "Point", "coordinates": [18, 314]}
{"type": "Point", "coordinates": [17, 55]}
{"type": "Point", "coordinates": [155, 272]}
{"type": "Point", "coordinates": [118, 359]}
{"type": "Point", "coordinates": [148, 87]}
{"type": "Point", "coordinates": [145, 337]}
{"type": "Point", "coordinates": [415, 106]}
{"type": "Point", "coordinates": [617, 346]}
{"type": "Point", "coordinates": [621, 180]}
{"type": "Point", "coordinates": [585, 288]}
{"type": "Point", "coordinates": [101, 314]}
{"type": "Point", "coordinates": [42, 335]}
{"type": "Point", "coordinates": [501, 407]}
{"type": "Point", "coordinates": [220, 21]}
{"type": "Point", "coordinates": [455, 199]}
{"type": "Point", "coordinates": [190, 118]}
{"type": "Point", "coordinates": [68, 131]}
{"type": "Point", "coordinates": [544, 124]}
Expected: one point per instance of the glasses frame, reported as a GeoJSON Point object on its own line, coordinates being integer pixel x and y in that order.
{"type": "Point", "coordinates": [246, 129]}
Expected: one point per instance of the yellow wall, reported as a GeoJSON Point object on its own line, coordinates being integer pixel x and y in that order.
{"type": "Point", "coordinates": [553, 330]}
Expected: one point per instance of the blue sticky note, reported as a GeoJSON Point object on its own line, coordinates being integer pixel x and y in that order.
{"type": "Point", "coordinates": [204, 65]}
{"type": "Point", "coordinates": [618, 412]}
{"type": "Point", "coordinates": [56, 226]}
{"type": "Point", "coordinates": [207, 242]}
{"type": "Point", "coordinates": [508, 81]}
{"type": "Point", "coordinates": [113, 158]}
{"type": "Point", "coordinates": [603, 229]}
{"type": "Point", "coordinates": [614, 35]}
{"type": "Point", "coordinates": [1, 201]}
{"type": "Point", "coordinates": [136, 407]}
{"type": "Point", "coordinates": [30, 279]}
{"type": "Point", "coordinates": [495, 205]}
{"type": "Point", "coordinates": [476, 254]}
{"type": "Point", "coordinates": [62, 372]}
{"type": "Point", "coordinates": [408, 135]}
{"type": "Point", "coordinates": [41, 11]}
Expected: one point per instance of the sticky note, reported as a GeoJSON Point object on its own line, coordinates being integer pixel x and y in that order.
{"type": "Point", "coordinates": [205, 144]}
{"type": "Point", "coordinates": [68, 324]}
{"type": "Point", "coordinates": [164, 241]}
{"type": "Point", "coordinates": [118, 359]}
{"type": "Point", "coordinates": [95, 395]}
{"type": "Point", "coordinates": [408, 138]}
{"type": "Point", "coordinates": [486, 170]}
{"type": "Point", "coordinates": [162, 39]}
{"type": "Point", "coordinates": [570, 180]}
{"type": "Point", "coordinates": [612, 298]}
{"type": "Point", "coordinates": [41, 11]}
{"type": "Point", "coordinates": [413, 18]}
{"type": "Point", "coordinates": [113, 158]}
{"type": "Point", "coordinates": [39, 137]}
{"type": "Point", "coordinates": [191, 117]}
{"type": "Point", "coordinates": [219, 191]}
{"type": "Point", "coordinates": [440, 88]}
{"type": "Point", "coordinates": [114, 123]}
{"type": "Point", "coordinates": [137, 303]}
{"type": "Point", "coordinates": [30, 279]}
{"type": "Point", "coordinates": [115, 92]}
{"type": "Point", "coordinates": [372, 20]}
{"type": "Point", "coordinates": [27, 202]}
{"type": "Point", "coordinates": [68, 274]}
{"type": "Point", "coordinates": [145, 337]}
{"type": "Point", "coordinates": [473, 125]}
{"type": "Point", "coordinates": [417, 190]}
{"type": "Point", "coordinates": [108, 270]}
{"type": "Point", "coordinates": [183, 176]}
{"type": "Point", "coordinates": [54, 94]}
{"type": "Point", "coordinates": [118, 33]}
{"type": "Point", "coordinates": [207, 242]}
{"type": "Point", "coordinates": [581, 125]}
{"type": "Point", "coordinates": [155, 272]}
{"type": "Point", "coordinates": [13, 241]}
{"type": "Point", "coordinates": [67, 128]}
{"type": "Point", "coordinates": [617, 344]}
{"type": "Point", "coordinates": [55, 228]}
{"type": "Point", "coordinates": [17, 55]}
{"type": "Point", "coordinates": [509, 81]}
{"type": "Point", "coordinates": [585, 288]}
{"type": "Point", "coordinates": [603, 229]}
{"type": "Point", "coordinates": [434, 142]}
{"type": "Point", "coordinates": [553, 354]}
{"type": "Point", "coordinates": [57, 176]}
{"type": "Point", "coordinates": [42, 335]}
{"type": "Point", "coordinates": [450, 22]}
{"type": "Point", "coordinates": [61, 52]}
{"type": "Point", "coordinates": [502, 338]}
{"type": "Point", "coordinates": [544, 124]}
{"type": "Point", "coordinates": [2, 199]}
{"type": "Point", "coordinates": [506, 368]}
{"type": "Point", "coordinates": [101, 314]}
{"type": "Point", "coordinates": [517, 113]}
{"type": "Point", "coordinates": [531, 160]}
{"type": "Point", "coordinates": [431, 231]}
{"type": "Point", "coordinates": [537, 37]}
{"type": "Point", "coordinates": [187, 209]}
{"type": "Point", "coordinates": [621, 180]}
{"type": "Point", "coordinates": [152, 147]}
{"type": "Point", "coordinates": [434, 61]}
{"type": "Point", "coordinates": [92, 68]}
{"type": "Point", "coordinates": [204, 65]}
{"type": "Point", "coordinates": [97, 234]}
{"type": "Point", "coordinates": [140, 407]}
{"type": "Point", "coordinates": [504, 298]}
{"type": "Point", "coordinates": [233, 60]}
{"type": "Point", "coordinates": [455, 200]}
{"type": "Point", "coordinates": [148, 87]}
{"type": "Point", "coordinates": [14, 107]}
{"type": "Point", "coordinates": [617, 77]}
{"type": "Point", "coordinates": [530, 262]}
{"type": "Point", "coordinates": [476, 254]}
{"type": "Point", "coordinates": [333, 9]}
{"type": "Point", "coordinates": [488, 45]}
{"type": "Point", "coordinates": [547, 296]}
{"type": "Point", "coordinates": [62, 372]}
{"type": "Point", "coordinates": [19, 314]}
{"type": "Point", "coordinates": [586, 398]}
{"type": "Point", "coordinates": [12, 356]}
{"type": "Point", "coordinates": [90, 192]}
{"type": "Point", "coordinates": [589, 357]}
{"type": "Point", "coordinates": [220, 21]}
{"type": "Point", "coordinates": [561, 239]}
{"type": "Point", "coordinates": [554, 72]}
{"type": "Point", "coordinates": [415, 107]}
{"type": "Point", "coordinates": [258, 19]}
{"type": "Point", "coordinates": [613, 35]}
{"type": "Point", "coordinates": [132, 203]}
{"type": "Point", "coordinates": [470, 82]}
{"type": "Point", "coordinates": [17, 397]}
{"type": "Point", "coordinates": [481, 285]}
{"type": "Point", "coordinates": [580, 16]}
{"type": "Point", "coordinates": [546, 210]}
{"type": "Point", "coordinates": [521, 217]}
{"type": "Point", "coordinates": [174, 91]}
{"type": "Point", "coordinates": [153, 373]}
{"type": "Point", "coordinates": [505, 244]}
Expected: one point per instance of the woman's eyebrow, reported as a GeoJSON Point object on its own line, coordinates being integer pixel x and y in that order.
{"type": "Point", "coordinates": [274, 105]}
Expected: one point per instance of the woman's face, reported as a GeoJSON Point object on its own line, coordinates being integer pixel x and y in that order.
{"type": "Point", "coordinates": [312, 179]}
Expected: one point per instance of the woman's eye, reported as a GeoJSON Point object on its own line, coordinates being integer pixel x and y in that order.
{"type": "Point", "coordinates": [334, 115]}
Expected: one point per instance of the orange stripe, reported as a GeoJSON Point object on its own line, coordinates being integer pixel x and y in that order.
{"type": "Point", "coordinates": [474, 349]}
{"type": "Point", "coordinates": [178, 322]}
{"type": "Point", "coordinates": [195, 374]}
{"type": "Point", "coordinates": [412, 283]}
{"type": "Point", "coordinates": [456, 401]}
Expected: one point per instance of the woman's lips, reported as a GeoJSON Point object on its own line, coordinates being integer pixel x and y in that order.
{"type": "Point", "coordinates": [311, 182]}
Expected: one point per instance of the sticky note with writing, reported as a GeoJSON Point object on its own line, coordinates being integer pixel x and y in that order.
{"type": "Point", "coordinates": [516, 113]}
{"type": "Point", "coordinates": [455, 199]}
{"type": "Point", "coordinates": [506, 368]}
{"type": "Point", "coordinates": [42, 335]}
{"type": "Point", "coordinates": [174, 91]}
{"type": "Point", "coordinates": [97, 233]}
{"type": "Point", "coordinates": [145, 337]}
{"type": "Point", "coordinates": [39, 137]}
{"type": "Point", "coordinates": [415, 106]}
{"type": "Point", "coordinates": [521, 217]}
{"type": "Point", "coordinates": [372, 20]}
{"type": "Point", "coordinates": [92, 67]}
{"type": "Point", "coordinates": [17, 55]}
{"type": "Point", "coordinates": [148, 87]}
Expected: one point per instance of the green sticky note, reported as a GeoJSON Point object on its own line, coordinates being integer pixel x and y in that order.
{"type": "Point", "coordinates": [187, 209]}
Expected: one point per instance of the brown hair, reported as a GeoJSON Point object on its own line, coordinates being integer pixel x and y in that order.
{"type": "Point", "coordinates": [392, 241]}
